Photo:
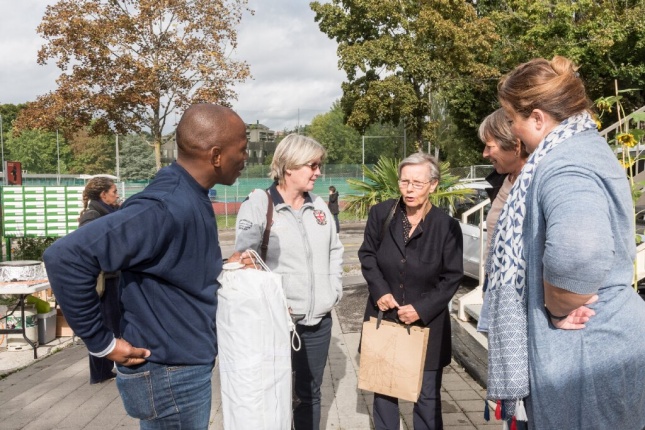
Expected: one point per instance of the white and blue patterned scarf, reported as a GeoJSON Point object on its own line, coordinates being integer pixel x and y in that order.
{"type": "Point", "coordinates": [508, 372]}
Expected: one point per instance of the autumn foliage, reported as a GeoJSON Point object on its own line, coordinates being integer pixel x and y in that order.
{"type": "Point", "coordinates": [129, 65]}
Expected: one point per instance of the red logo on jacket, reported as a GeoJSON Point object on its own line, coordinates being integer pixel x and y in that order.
{"type": "Point", "coordinates": [320, 216]}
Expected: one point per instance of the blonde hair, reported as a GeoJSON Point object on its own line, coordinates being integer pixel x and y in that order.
{"type": "Point", "coordinates": [292, 152]}
{"type": "Point", "coordinates": [551, 86]}
{"type": "Point", "coordinates": [496, 127]}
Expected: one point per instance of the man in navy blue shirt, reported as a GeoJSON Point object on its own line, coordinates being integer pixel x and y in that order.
{"type": "Point", "coordinates": [164, 241]}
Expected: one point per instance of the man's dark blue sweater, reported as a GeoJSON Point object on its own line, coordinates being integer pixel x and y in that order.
{"type": "Point", "coordinates": [164, 241]}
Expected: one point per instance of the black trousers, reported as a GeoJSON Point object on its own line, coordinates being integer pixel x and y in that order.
{"type": "Point", "coordinates": [101, 367]}
{"type": "Point", "coordinates": [427, 410]}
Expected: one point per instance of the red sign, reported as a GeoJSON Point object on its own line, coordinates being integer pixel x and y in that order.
{"type": "Point", "coordinates": [13, 172]}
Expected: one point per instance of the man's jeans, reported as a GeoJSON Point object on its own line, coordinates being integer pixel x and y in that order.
{"type": "Point", "coordinates": [167, 397]}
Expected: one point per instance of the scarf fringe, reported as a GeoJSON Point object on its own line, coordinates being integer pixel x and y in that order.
{"type": "Point", "coordinates": [520, 412]}
{"type": "Point", "coordinates": [498, 410]}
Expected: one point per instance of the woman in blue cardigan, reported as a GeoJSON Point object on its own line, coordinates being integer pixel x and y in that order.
{"type": "Point", "coordinates": [567, 328]}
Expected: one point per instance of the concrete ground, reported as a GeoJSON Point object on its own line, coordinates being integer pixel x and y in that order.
{"type": "Point", "coordinates": [53, 392]}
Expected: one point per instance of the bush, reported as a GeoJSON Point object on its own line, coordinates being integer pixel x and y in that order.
{"type": "Point", "coordinates": [30, 248]}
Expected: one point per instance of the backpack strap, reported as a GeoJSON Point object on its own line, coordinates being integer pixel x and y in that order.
{"type": "Point", "coordinates": [267, 230]}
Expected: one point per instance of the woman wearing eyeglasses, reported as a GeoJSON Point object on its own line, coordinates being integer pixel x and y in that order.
{"type": "Point", "coordinates": [413, 263]}
{"type": "Point", "coordinates": [304, 248]}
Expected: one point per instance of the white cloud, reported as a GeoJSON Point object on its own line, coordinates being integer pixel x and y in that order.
{"type": "Point", "coordinates": [22, 79]}
{"type": "Point", "coordinates": [294, 65]}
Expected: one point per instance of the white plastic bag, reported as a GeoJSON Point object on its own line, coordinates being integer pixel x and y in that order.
{"type": "Point", "coordinates": [253, 325]}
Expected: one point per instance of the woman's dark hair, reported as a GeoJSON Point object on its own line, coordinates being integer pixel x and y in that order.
{"type": "Point", "coordinates": [94, 188]}
{"type": "Point", "coordinates": [332, 188]}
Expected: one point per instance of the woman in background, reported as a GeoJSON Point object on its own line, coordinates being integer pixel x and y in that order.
{"type": "Point", "coordinates": [333, 206]}
{"type": "Point", "coordinates": [100, 198]}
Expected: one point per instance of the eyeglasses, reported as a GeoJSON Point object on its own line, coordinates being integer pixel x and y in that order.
{"type": "Point", "coordinates": [417, 185]}
{"type": "Point", "coordinates": [314, 166]}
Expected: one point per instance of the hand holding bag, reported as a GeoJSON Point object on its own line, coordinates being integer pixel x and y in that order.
{"type": "Point", "coordinates": [254, 343]}
{"type": "Point", "coordinates": [392, 358]}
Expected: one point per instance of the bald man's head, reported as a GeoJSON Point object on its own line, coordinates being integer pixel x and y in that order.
{"type": "Point", "coordinates": [203, 126]}
{"type": "Point", "coordinates": [212, 144]}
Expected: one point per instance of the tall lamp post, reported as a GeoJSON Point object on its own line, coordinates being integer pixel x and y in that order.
{"type": "Point", "coordinates": [2, 147]}
{"type": "Point", "coordinates": [57, 160]}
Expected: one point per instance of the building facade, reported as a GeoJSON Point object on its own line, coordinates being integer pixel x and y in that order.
{"type": "Point", "coordinates": [261, 141]}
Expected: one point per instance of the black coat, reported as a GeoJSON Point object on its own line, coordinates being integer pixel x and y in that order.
{"type": "Point", "coordinates": [333, 203]}
{"type": "Point", "coordinates": [424, 273]}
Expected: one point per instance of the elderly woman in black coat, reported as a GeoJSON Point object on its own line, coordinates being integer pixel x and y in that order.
{"type": "Point", "coordinates": [413, 263]}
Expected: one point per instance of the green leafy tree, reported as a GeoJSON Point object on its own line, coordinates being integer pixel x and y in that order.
{"type": "Point", "coordinates": [341, 141]}
{"type": "Point", "coordinates": [92, 155]}
{"type": "Point", "coordinates": [604, 37]}
{"type": "Point", "coordinates": [37, 151]}
{"type": "Point", "coordinates": [399, 54]}
{"type": "Point", "coordinates": [130, 65]}
{"type": "Point", "coordinates": [382, 184]}
{"type": "Point", "coordinates": [137, 161]}
{"type": "Point", "coordinates": [344, 144]}
{"type": "Point", "coordinates": [9, 113]}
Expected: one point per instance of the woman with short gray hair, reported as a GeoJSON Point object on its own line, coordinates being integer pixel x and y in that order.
{"type": "Point", "coordinates": [412, 260]}
{"type": "Point", "coordinates": [420, 158]}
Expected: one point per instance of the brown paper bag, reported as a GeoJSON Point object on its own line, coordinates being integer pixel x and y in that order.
{"type": "Point", "coordinates": [392, 359]}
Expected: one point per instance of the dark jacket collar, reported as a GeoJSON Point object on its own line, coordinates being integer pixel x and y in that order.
{"type": "Point", "coordinates": [496, 180]}
{"type": "Point", "coordinates": [176, 167]}
{"type": "Point", "coordinates": [100, 207]}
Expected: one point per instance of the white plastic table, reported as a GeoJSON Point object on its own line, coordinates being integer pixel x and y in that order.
{"type": "Point", "coordinates": [22, 289]}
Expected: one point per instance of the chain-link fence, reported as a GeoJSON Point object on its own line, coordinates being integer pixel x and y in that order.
{"type": "Point", "coordinates": [227, 199]}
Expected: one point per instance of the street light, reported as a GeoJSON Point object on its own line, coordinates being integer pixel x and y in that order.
{"type": "Point", "coordinates": [2, 146]}
{"type": "Point", "coordinates": [57, 160]}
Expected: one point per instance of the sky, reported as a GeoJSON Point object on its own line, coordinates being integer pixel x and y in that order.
{"type": "Point", "coordinates": [294, 66]}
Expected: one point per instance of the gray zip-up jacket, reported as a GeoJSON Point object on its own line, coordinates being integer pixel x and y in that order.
{"type": "Point", "coordinates": [303, 247]}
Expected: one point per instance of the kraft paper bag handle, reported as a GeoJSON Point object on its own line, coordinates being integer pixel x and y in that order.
{"type": "Point", "coordinates": [379, 318]}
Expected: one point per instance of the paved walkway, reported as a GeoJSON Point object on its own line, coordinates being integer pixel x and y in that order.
{"type": "Point", "coordinates": [53, 392]}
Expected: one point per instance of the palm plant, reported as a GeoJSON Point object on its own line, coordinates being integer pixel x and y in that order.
{"type": "Point", "coordinates": [382, 184]}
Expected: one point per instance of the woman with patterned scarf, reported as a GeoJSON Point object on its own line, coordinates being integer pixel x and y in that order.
{"type": "Point", "coordinates": [566, 331]}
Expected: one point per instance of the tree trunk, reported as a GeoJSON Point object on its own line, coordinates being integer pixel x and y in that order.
{"type": "Point", "coordinates": [157, 145]}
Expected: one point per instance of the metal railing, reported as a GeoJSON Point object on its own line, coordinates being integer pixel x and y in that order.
{"type": "Point", "coordinates": [464, 219]}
